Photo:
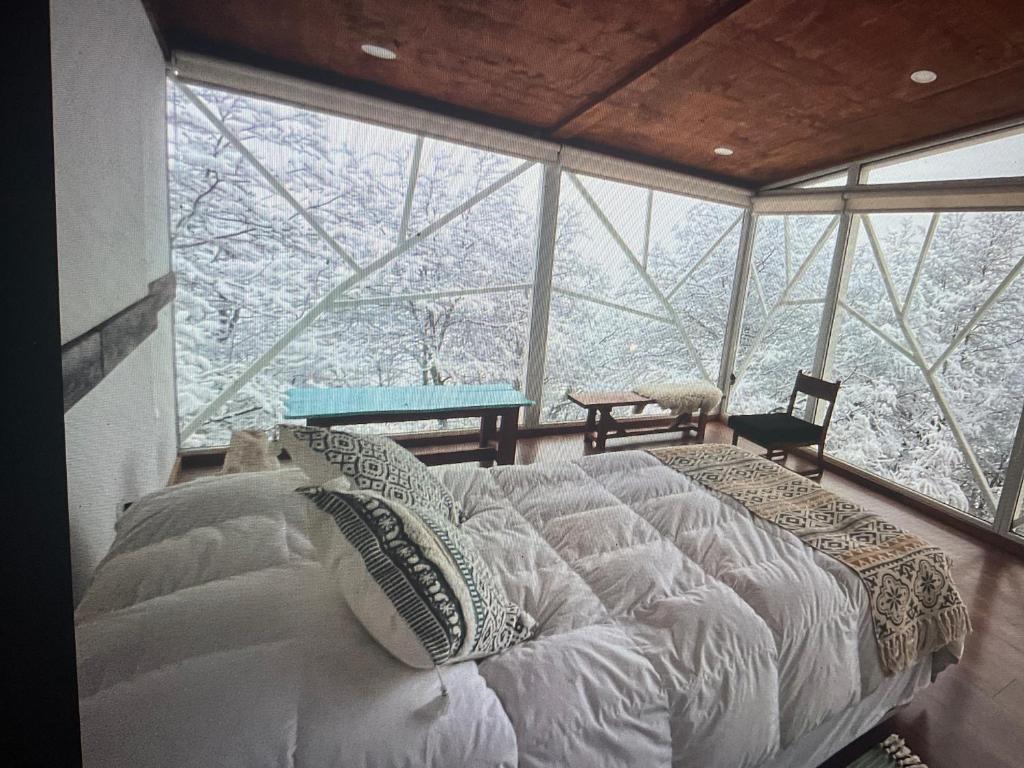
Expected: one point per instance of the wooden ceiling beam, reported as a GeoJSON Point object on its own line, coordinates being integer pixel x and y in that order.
{"type": "Point", "coordinates": [575, 120]}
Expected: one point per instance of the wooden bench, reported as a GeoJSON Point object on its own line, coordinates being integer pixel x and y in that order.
{"type": "Point", "coordinates": [601, 425]}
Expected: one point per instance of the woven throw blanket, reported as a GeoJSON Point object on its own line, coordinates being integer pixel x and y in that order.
{"type": "Point", "coordinates": [915, 607]}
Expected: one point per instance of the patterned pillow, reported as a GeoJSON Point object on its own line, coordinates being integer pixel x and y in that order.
{"type": "Point", "coordinates": [416, 583]}
{"type": "Point", "coordinates": [369, 463]}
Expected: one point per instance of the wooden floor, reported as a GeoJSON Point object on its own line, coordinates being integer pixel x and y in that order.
{"type": "Point", "coordinates": [973, 716]}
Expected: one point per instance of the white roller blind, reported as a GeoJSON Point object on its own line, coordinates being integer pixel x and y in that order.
{"type": "Point", "coordinates": [202, 70]}
{"type": "Point", "coordinates": [952, 199]}
{"type": "Point", "coordinates": [964, 196]}
{"type": "Point", "coordinates": [799, 202]}
{"type": "Point", "coordinates": [603, 166]}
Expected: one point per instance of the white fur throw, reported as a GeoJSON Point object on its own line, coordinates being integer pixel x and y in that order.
{"type": "Point", "coordinates": [684, 397]}
{"type": "Point", "coordinates": [249, 451]}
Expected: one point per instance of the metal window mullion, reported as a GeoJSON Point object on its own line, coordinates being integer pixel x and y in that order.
{"type": "Point", "coordinates": [834, 293]}
{"type": "Point", "coordinates": [647, 226]}
{"type": "Point", "coordinates": [787, 253]}
{"type": "Point", "coordinates": [272, 180]}
{"type": "Point", "coordinates": [703, 259]}
{"type": "Point", "coordinates": [610, 304]}
{"type": "Point", "coordinates": [802, 302]}
{"type": "Point", "coordinates": [954, 426]}
{"type": "Point", "coordinates": [1013, 484]}
{"type": "Point", "coordinates": [540, 304]}
{"type": "Point", "coordinates": [428, 295]}
{"type": "Point", "coordinates": [759, 290]}
{"type": "Point", "coordinates": [815, 250]}
{"type": "Point", "coordinates": [758, 338]}
{"type": "Point", "coordinates": [410, 191]}
{"type": "Point", "coordinates": [167, 170]}
{"type": "Point", "coordinates": [849, 254]}
{"type": "Point", "coordinates": [875, 329]}
{"type": "Point", "coordinates": [734, 321]}
{"type": "Point", "coordinates": [784, 296]}
{"type": "Point", "coordinates": [883, 269]}
{"type": "Point", "coordinates": [978, 314]}
{"type": "Point", "coordinates": [926, 247]}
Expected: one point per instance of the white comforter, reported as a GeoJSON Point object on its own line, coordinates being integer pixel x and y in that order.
{"type": "Point", "coordinates": [673, 629]}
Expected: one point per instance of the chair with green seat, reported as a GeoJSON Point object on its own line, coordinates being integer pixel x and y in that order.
{"type": "Point", "coordinates": [780, 433]}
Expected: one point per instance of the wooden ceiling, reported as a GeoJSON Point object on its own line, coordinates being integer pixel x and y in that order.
{"type": "Point", "coordinates": [792, 86]}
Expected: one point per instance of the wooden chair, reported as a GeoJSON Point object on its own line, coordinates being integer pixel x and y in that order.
{"type": "Point", "coordinates": [779, 433]}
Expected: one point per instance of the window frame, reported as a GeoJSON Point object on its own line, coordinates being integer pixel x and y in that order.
{"type": "Point", "coordinates": [849, 201]}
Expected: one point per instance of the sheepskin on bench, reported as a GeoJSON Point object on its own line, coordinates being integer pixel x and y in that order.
{"type": "Point", "coordinates": [683, 397]}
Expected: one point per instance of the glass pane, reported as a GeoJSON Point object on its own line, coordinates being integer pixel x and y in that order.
{"type": "Point", "coordinates": [652, 311]}
{"type": "Point", "coordinates": [997, 155]}
{"type": "Point", "coordinates": [832, 180]}
{"type": "Point", "coordinates": [930, 349]}
{"type": "Point", "coordinates": [789, 272]}
{"type": "Point", "coordinates": [887, 422]}
{"type": "Point", "coordinates": [452, 308]}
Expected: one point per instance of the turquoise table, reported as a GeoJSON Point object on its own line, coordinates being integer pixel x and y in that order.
{"type": "Point", "coordinates": [496, 405]}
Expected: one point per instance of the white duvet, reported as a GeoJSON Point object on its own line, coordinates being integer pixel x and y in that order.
{"type": "Point", "coordinates": [673, 629]}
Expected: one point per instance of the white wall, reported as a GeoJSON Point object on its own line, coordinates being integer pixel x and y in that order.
{"type": "Point", "coordinates": [111, 186]}
{"type": "Point", "coordinates": [120, 445]}
{"type": "Point", "coordinates": [110, 154]}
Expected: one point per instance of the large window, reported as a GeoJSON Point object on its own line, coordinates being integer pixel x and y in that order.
{"type": "Point", "coordinates": [641, 289]}
{"type": "Point", "coordinates": [789, 273]}
{"type": "Point", "coordinates": [314, 250]}
{"type": "Point", "coordinates": [822, 182]}
{"type": "Point", "coordinates": [994, 155]}
{"type": "Point", "coordinates": [930, 348]}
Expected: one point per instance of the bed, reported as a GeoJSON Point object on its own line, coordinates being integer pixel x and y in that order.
{"type": "Point", "coordinates": [673, 628]}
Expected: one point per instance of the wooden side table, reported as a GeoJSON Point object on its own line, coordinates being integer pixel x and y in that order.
{"type": "Point", "coordinates": [601, 425]}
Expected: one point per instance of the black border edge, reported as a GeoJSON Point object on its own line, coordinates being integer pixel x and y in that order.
{"type": "Point", "coordinates": [39, 677]}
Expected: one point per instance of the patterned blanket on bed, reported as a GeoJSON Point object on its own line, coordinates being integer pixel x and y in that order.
{"type": "Point", "coordinates": [915, 606]}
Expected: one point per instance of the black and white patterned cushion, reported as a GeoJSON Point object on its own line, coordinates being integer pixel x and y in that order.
{"type": "Point", "coordinates": [369, 463]}
{"type": "Point", "coordinates": [416, 583]}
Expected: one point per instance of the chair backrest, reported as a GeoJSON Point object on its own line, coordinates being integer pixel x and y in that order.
{"type": "Point", "coordinates": [817, 388]}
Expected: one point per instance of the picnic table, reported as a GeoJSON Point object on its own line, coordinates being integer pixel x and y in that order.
{"type": "Point", "coordinates": [496, 405]}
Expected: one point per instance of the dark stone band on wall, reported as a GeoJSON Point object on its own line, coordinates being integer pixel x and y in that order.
{"type": "Point", "coordinates": [87, 359]}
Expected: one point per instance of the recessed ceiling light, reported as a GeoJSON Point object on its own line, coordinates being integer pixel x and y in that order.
{"type": "Point", "coordinates": [723, 151]}
{"type": "Point", "coordinates": [923, 76]}
{"type": "Point", "coordinates": [379, 51]}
